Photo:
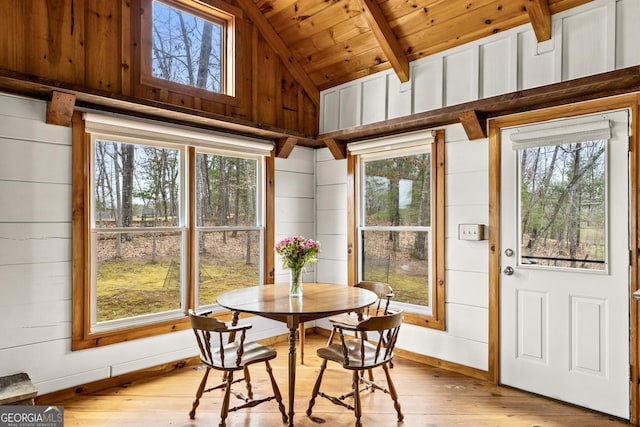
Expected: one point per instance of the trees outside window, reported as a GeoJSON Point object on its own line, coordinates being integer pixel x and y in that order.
{"type": "Point", "coordinates": [562, 205]}
{"type": "Point", "coordinates": [139, 233]}
{"type": "Point", "coordinates": [229, 235]}
{"type": "Point", "coordinates": [398, 227]}
{"type": "Point", "coordinates": [187, 49]}
{"type": "Point", "coordinates": [188, 46]}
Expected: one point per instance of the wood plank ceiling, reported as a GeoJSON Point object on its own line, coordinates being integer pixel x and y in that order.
{"type": "Point", "coordinates": [329, 42]}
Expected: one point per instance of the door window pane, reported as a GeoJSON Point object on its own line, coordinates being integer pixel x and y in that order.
{"type": "Point", "coordinates": [563, 205]}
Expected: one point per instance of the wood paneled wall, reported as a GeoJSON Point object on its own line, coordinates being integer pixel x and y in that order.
{"type": "Point", "coordinates": [94, 46]}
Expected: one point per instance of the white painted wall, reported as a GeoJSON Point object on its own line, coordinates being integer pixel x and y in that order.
{"type": "Point", "coordinates": [295, 204]}
{"type": "Point", "coordinates": [331, 213]}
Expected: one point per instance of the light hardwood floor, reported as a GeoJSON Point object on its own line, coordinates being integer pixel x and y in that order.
{"type": "Point", "coordinates": [430, 397]}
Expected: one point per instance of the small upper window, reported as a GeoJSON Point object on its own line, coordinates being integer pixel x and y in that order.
{"type": "Point", "coordinates": [190, 46]}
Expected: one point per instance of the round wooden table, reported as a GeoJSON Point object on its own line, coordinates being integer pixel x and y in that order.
{"type": "Point", "coordinates": [273, 302]}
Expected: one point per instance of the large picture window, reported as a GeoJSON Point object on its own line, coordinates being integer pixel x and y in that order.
{"type": "Point", "coordinates": [170, 218]}
{"type": "Point", "coordinates": [399, 236]}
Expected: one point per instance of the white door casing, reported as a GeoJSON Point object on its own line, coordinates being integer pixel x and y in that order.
{"type": "Point", "coordinates": [564, 332]}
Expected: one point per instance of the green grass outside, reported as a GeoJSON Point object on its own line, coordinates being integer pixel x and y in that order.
{"type": "Point", "coordinates": [127, 289]}
{"type": "Point", "coordinates": [406, 288]}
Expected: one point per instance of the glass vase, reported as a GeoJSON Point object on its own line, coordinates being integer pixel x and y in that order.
{"type": "Point", "coordinates": [295, 282]}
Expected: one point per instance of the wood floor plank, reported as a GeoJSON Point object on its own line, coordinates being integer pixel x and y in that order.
{"type": "Point", "coordinates": [430, 397]}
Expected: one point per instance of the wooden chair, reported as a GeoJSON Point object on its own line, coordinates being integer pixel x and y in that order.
{"type": "Point", "coordinates": [381, 307]}
{"type": "Point", "coordinates": [358, 355]}
{"type": "Point", "coordinates": [384, 292]}
{"type": "Point", "coordinates": [224, 348]}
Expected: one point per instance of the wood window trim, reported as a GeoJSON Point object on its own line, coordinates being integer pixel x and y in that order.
{"type": "Point", "coordinates": [81, 336]}
{"type": "Point", "coordinates": [206, 9]}
{"type": "Point", "coordinates": [437, 318]}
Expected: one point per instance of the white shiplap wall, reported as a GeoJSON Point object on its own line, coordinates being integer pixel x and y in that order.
{"type": "Point", "coordinates": [331, 217]}
{"type": "Point", "coordinates": [597, 37]}
{"type": "Point", "coordinates": [295, 204]}
{"type": "Point", "coordinates": [466, 262]}
{"type": "Point", "coordinates": [35, 256]}
{"type": "Point", "coordinates": [331, 212]}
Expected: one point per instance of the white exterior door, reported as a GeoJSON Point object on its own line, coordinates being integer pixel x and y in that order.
{"type": "Point", "coordinates": [564, 286]}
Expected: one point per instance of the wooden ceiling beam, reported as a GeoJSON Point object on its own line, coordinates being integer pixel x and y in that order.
{"type": "Point", "coordinates": [540, 17]}
{"type": "Point", "coordinates": [474, 124]}
{"type": "Point", "coordinates": [41, 88]}
{"type": "Point", "coordinates": [284, 146]}
{"type": "Point", "coordinates": [337, 148]}
{"type": "Point", "coordinates": [60, 108]}
{"type": "Point", "coordinates": [611, 83]}
{"type": "Point", "coordinates": [386, 38]}
{"type": "Point", "coordinates": [274, 40]}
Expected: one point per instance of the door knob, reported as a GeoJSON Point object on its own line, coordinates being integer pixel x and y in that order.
{"type": "Point", "coordinates": [508, 271]}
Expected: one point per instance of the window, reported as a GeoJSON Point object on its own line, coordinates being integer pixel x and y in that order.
{"type": "Point", "coordinates": [152, 189]}
{"type": "Point", "coordinates": [138, 232]}
{"type": "Point", "coordinates": [188, 45]}
{"type": "Point", "coordinates": [229, 233]}
{"type": "Point", "coordinates": [399, 225]}
{"type": "Point", "coordinates": [562, 193]}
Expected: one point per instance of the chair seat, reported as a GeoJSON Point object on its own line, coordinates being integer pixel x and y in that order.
{"type": "Point", "coordinates": [335, 353]}
{"type": "Point", "coordinates": [253, 353]}
{"type": "Point", "coordinates": [225, 348]}
{"type": "Point", "coordinates": [350, 319]}
{"type": "Point", "coordinates": [381, 307]}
